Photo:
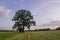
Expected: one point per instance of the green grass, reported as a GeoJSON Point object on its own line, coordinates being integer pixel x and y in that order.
{"type": "Point", "coordinates": [14, 36]}
{"type": "Point", "coordinates": [38, 35]}
{"type": "Point", "coordinates": [45, 35]}
{"type": "Point", "coordinates": [7, 35]}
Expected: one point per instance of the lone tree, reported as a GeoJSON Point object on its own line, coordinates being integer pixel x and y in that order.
{"type": "Point", "coordinates": [23, 18]}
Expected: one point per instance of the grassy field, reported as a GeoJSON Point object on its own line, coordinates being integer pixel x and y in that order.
{"type": "Point", "coordinates": [38, 35]}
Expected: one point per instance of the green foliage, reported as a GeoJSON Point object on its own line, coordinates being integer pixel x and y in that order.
{"type": "Point", "coordinates": [23, 18]}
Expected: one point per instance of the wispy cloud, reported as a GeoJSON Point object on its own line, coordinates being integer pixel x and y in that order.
{"type": "Point", "coordinates": [52, 24]}
{"type": "Point", "coordinates": [4, 11]}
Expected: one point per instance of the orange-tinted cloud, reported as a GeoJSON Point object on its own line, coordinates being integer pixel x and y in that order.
{"type": "Point", "coordinates": [4, 11]}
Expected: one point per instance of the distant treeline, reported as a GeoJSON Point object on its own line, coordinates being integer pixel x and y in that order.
{"type": "Point", "coordinates": [47, 29]}
{"type": "Point", "coordinates": [58, 28]}
{"type": "Point", "coordinates": [44, 29]}
{"type": "Point", "coordinates": [7, 31]}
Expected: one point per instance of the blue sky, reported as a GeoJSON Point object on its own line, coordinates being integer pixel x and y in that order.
{"type": "Point", "coordinates": [46, 12]}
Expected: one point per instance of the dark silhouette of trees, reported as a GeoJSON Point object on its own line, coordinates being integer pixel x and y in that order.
{"type": "Point", "coordinates": [23, 18]}
{"type": "Point", "coordinates": [57, 28]}
{"type": "Point", "coordinates": [44, 29]}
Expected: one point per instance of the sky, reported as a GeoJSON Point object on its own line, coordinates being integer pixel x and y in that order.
{"type": "Point", "coordinates": [46, 12]}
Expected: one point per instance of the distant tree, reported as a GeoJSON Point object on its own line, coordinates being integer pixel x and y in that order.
{"type": "Point", "coordinates": [58, 28]}
{"type": "Point", "coordinates": [23, 18]}
{"type": "Point", "coordinates": [45, 29]}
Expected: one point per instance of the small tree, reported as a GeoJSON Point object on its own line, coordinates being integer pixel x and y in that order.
{"type": "Point", "coordinates": [23, 18]}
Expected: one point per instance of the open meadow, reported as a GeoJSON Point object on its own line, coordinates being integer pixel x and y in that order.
{"type": "Point", "coordinates": [37, 35]}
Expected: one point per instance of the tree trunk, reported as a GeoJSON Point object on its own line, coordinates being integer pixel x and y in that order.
{"type": "Point", "coordinates": [23, 28]}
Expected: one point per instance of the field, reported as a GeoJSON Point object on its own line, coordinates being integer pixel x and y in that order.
{"type": "Point", "coordinates": [38, 35]}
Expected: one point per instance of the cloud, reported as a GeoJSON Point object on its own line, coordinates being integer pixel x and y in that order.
{"type": "Point", "coordinates": [52, 24]}
{"type": "Point", "coordinates": [57, 21]}
{"type": "Point", "coordinates": [4, 11]}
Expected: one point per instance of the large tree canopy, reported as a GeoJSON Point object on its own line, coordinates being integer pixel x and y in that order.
{"type": "Point", "coordinates": [23, 18]}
